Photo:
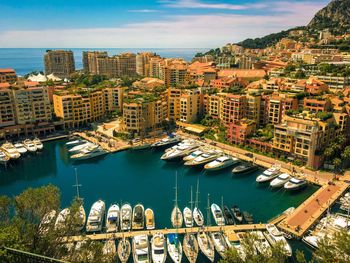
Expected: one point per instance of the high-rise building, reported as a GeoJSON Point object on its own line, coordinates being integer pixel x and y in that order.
{"type": "Point", "coordinates": [59, 62]}
{"type": "Point", "coordinates": [7, 75]}
{"type": "Point", "coordinates": [126, 64]}
{"type": "Point", "coordinates": [7, 108]}
{"type": "Point", "coordinates": [143, 63]}
{"type": "Point", "coordinates": [234, 108]}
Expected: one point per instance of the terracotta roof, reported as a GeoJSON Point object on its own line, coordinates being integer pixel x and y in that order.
{"type": "Point", "coordinates": [5, 85]}
{"type": "Point", "coordinates": [242, 73]}
{"type": "Point", "coordinates": [7, 70]}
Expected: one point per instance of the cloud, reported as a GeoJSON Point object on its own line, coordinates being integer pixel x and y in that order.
{"type": "Point", "coordinates": [143, 11]}
{"type": "Point", "coordinates": [199, 4]}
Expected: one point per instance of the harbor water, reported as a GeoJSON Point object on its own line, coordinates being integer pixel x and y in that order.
{"type": "Point", "coordinates": [140, 176]}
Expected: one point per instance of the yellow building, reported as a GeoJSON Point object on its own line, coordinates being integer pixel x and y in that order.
{"type": "Point", "coordinates": [7, 108]}
{"type": "Point", "coordinates": [143, 63]}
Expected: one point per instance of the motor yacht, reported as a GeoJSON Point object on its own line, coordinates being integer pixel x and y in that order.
{"type": "Point", "coordinates": [269, 174]}
{"type": "Point", "coordinates": [158, 247]}
{"type": "Point", "coordinates": [171, 139]}
{"type": "Point", "coordinates": [204, 158]}
{"type": "Point", "coordinates": [206, 245]}
{"type": "Point", "coordinates": [219, 243]}
{"type": "Point", "coordinates": [221, 163]}
{"type": "Point", "coordinates": [124, 250]}
{"type": "Point", "coordinates": [193, 155]}
{"type": "Point", "coordinates": [20, 148]}
{"type": "Point", "coordinates": [3, 157]}
{"type": "Point", "coordinates": [248, 217]}
{"type": "Point", "coordinates": [245, 168]}
{"type": "Point", "coordinates": [10, 150]}
{"type": "Point", "coordinates": [180, 151]}
{"type": "Point", "coordinates": [188, 217]}
{"type": "Point", "coordinates": [150, 222]}
{"type": "Point", "coordinates": [295, 184]}
{"type": "Point", "coordinates": [126, 217]}
{"type": "Point", "coordinates": [75, 142]}
{"type": "Point", "coordinates": [140, 246]}
{"type": "Point", "coordinates": [88, 153]}
{"type": "Point", "coordinates": [228, 216]}
{"type": "Point", "coordinates": [273, 235]}
{"type": "Point", "coordinates": [138, 217]}
{"type": "Point", "coordinates": [113, 218]}
{"type": "Point", "coordinates": [29, 145]}
{"type": "Point", "coordinates": [280, 180]}
{"type": "Point", "coordinates": [261, 244]}
{"type": "Point", "coordinates": [237, 213]}
{"type": "Point", "coordinates": [80, 218]}
{"type": "Point", "coordinates": [39, 145]}
{"type": "Point", "coordinates": [174, 247]}
{"type": "Point", "coordinates": [190, 247]}
{"type": "Point", "coordinates": [95, 218]}
{"type": "Point", "coordinates": [217, 214]}
{"type": "Point", "coordinates": [78, 148]}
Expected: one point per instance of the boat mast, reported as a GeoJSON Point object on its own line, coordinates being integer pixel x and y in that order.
{"type": "Point", "coordinates": [191, 202]}
{"type": "Point", "coordinates": [176, 206]}
{"type": "Point", "coordinates": [77, 185]}
{"type": "Point", "coordinates": [196, 204]}
{"type": "Point", "coordinates": [222, 203]}
{"type": "Point", "coordinates": [208, 211]}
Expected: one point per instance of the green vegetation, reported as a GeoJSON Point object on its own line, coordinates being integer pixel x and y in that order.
{"type": "Point", "coordinates": [323, 116]}
{"type": "Point", "coordinates": [86, 79]}
{"type": "Point", "coordinates": [334, 70]}
{"type": "Point", "coordinates": [336, 152]}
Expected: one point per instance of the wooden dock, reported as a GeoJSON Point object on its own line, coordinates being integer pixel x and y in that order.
{"type": "Point", "coordinates": [130, 234]}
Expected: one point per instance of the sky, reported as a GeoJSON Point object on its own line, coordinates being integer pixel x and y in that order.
{"type": "Point", "coordinates": [146, 23]}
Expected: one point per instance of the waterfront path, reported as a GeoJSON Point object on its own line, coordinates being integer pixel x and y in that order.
{"type": "Point", "coordinates": [118, 235]}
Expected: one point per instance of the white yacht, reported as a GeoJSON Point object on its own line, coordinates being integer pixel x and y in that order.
{"type": "Point", "coordinates": [88, 153]}
{"type": "Point", "coordinates": [193, 155]}
{"type": "Point", "coordinates": [3, 157]}
{"type": "Point", "coordinates": [75, 142]}
{"type": "Point", "coordinates": [174, 247]}
{"type": "Point", "coordinates": [219, 243]}
{"type": "Point", "coordinates": [61, 218]}
{"type": "Point", "coordinates": [158, 245]}
{"type": "Point", "coordinates": [95, 218]}
{"type": "Point", "coordinates": [221, 163]}
{"type": "Point", "coordinates": [206, 245]}
{"type": "Point", "coordinates": [46, 221]}
{"type": "Point", "coordinates": [172, 139]}
{"type": "Point", "coordinates": [176, 217]}
{"type": "Point", "coordinates": [29, 145]}
{"type": "Point", "coordinates": [80, 147]}
{"type": "Point", "coordinates": [20, 148]}
{"type": "Point", "coordinates": [140, 247]}
{"type": "Point", "coordinates": [39, 145]}
{"type": "Point", "coordinates": [269, 174]}
{"type": "Point", "coordinates": [188, 217]}
{"type": "Point", "coordinates": [261, 243]}
{"type": "Point", "coordinates": [149, 217]}
{"type": "Point", "coordinates": [204, 158]}
{"type": "Point", "coordinates": [198, 216]}
{"type": "Point", "coordinates": [217, 214]}
{"type": "Point", "coordinates": [295, 184]}
{"type": "Point", "coordinates": [180, 151]}
{"type": "Point", "coordinates": [190, 247]}
{"type": "Point", "coordinates": [10, 150]}
{"type": "Point", "coordinates": [125, 217]}
{"type": "Point", "coordinates": [138, 217]}
{"type": "Point", "coordinates": [273, 235]}
{"type": "Point", "coordinates": [112, 222]}
{"type": "Point", "coordinates": [280, 180]}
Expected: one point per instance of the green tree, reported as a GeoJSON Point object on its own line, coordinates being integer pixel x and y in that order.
{"type": "Point", "coordinates": [5, 204]}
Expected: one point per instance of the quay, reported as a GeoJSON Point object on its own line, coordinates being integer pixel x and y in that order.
{"type": "Point", "coordinates": [118, 235]}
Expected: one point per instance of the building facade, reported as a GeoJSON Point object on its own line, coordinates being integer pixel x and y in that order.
{"type": "Point", "coordinates": [59, 62]}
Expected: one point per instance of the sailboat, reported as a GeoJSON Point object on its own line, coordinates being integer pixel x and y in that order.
{"type": "Point", "coordinates": [81, 213]}
{"type": "Point", "coordinates": [188, 216]}
{"type": "Point", "coordinates": [219, 243]}
{"type": "Point", "coordinates": [176, 215]}
{"type": "Point", "coordinates": [124, 250]}
{"type": "Point", "coordinates": [197, 214]}
{"type": "Point", "coordinates": [190, 247]}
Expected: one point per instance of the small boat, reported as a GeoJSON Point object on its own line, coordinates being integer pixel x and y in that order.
{"type": "Point", "coordinates": [221, 163]}
{"type": "Point", "coordinates": [295, 184]}
{"type": "Point", "coordinates": [174, 247]}
{"type": "Point", "coordinates": [280, 180]}
{"type": "Point", "coordinates": [176, 217]}
{"type": "Point", "coordinates": [75, 142]}
{"type": "Point", "coordinates": [88, 153]}
{"type": "Point", "coordinates": [219, 243]}
{"type": "Point", "coordinates": [3, 157]}
{"type": "Point", "coordinates": [204, 158]}
{"type": "Point", "coordinates": [198, 216]}
{"type": "Point", "coordinates": [274, 236]}
{"type": "Point", "coordinates": [237, 213]}
{"type": "Point", "coordinates": [190, 247]}
{"type": "Point", "coordinates": [149, 215]}
{"type": "Point", "coordinates": [269, 174]}
{"type": "Point", "coordinates": [29, 145]}
{"type": "Point", "coordinates": [206, 245]}
{"type": "Point", "coordinates": [61, 218]}
{"type": "Point", "coordinates": [10, 150]}
{"type": "Point", "coordinates": [95, 218]}
{"type": "Point", "coordinates": [180, 151]}
{"type": "Point", "coordinates": [228, 216]}
{"type": "Point", "coordinates": [171, 139]}
{"type": "Point", "coordinates": [236, 244]}
{"type": "Point", "coordinates": [142, 146]}
{"type": "Point", "coordinates": [20, 148]}
{"type": "Point", "coordinates": [248, 217]}
{"type": "Point", "coordinates": [39, 145]}
{"type": "Point", "coordinates": [113, 219]}
{"type": "Point", "coordinates": [188, 217]}
{"type": "Point", "coordinates": [217, 214]}
{"type": "Point", "coordinates": [245, 168]}
{"type": "Point", "coordinates": [109, 249]}
{"type": "Point", "coordinates": [81, 218]}
{"type": "Point", "coordinates": [124, 250]}
{"type": "Point", "coordinates": [158, 248]}
{"type": "Point", "coordinates": [138, 217]}
{"type": "Point", "coordinates": [126, 217]}
{"type": "Point", "coordinates": [140, 247]}
{"type": "Point", "coordinates": [261, 244]}
{"type": "Point", "coordinates": [46, 222]}
{"type": "Point", "coordinates": [80, 147]}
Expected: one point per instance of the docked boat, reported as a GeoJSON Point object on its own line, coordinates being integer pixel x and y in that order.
{"type": "Point", "coordinates": [193, 155]}
{"type": "Point", "coordinates": [237, 213]}
{"type": "Point", "coordinates": [140, 247]}
{"type": "Point", "coordinates": [206, 245]}
{"type": "Point", "coordinates": [75, 142]}
{"type": "Point", "coordinates": [174, 247]}
{"type": "Point", "coordinates": [61, 218]}
{"type": "Point", "coordinates": [221, 163]}
{"type": "Point", "coordinates": [180, 151]}
{"type": "Point", "coordinates": [236, 244]}
{"type": "Point", "coordinates": [280, 180]}
{"type": "Point", "coordinates": [46, 222]}
{"type": "Point", "coordinates": [3, 157]}
{"type": "Point", "coordinates": [219, 243]}
{"type": "Point", "coordinates": [204, 158]}
{"type": "Point", "coordinates": [126, 217]}
{"type": "Point", "coordinates": [150, 222]}
{"type": "Point", "coordinates": [29, 145]}
{"type": "Point", "coordinates": [176, 215]}
{"type": "Point", "coordinates": [171, 139]}
{"type": "Point", "coordinates": [142, 146]}
{"type": "Point", "coordinates": [113, 219]}
{"type": "Point", "coordinates": [124, 250]}
{"type": "Point", "coordinates": [10, 150]}
{"type": "Point", "coordinates": [80, 147]}
{"type": "Point", "coordinates": [20, 148]}
{"type": "Point", "coordinates": [217, 214]}
{"type": "Point", "coordinates": [197, 213]}
{"type": "Point", "coordinates": [228, 216]}
{"type": "Point", "coordinates": [39, 145]}
{"type": "Point", "coordinates": [273, 235]}
{"type": "Point", "coordinates": [188, 217]}
{"type": "Point", "coordinates": [95, 218]}
{"type": "Point", "coordinates": [295, 184]}
{"type": "Point", "coordinates": [245, 168]}
{"type": "Point", "coordinates": [88, 153]}
{"type": "Point", "coordinates": [109, 249]}
{"type": "Point", "coordinates": [261, 244]}
{"type": "Point", "coordinates": [81, 218]}
{"type": "Point", "coordinates": [138, 217]}
{"type": "Point", "coordinates": [269, 174]}
{"type": "Point", "coordinates": [158, 248]}
{"type": "Point", "coordinates": [190, 247]}
{"type": "Point", "coordinates": [248, 217]}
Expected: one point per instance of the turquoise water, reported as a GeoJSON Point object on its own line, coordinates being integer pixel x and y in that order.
{"type": "Point", "coordinates": [140, 176]}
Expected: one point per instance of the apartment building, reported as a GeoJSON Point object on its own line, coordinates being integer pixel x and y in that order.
{"type": "Point", "coordinates": [113, 98]}
{"type": "Point", "coordinates": [315, 105]}
{"type": "Point", "coordinates": [92, 61]}
{"type": "Point", "coordinates": [7, 108]}
{"type": "Point", "coordinates": [174, 103]}
{"type": "Point", "coordinates": [239, 131]}
{"type": "Point", "coordinates": [215, 105]}
{"type": "Point", "coordinates": [278, 106]}
{"type": "Point", "coordinates": [174, 75]}
{"type": "Point", "coordinates": [7, 75]}
{"type": "Point", "coordinates": [59, 62]}
{"type": "Point", "coordinates": [253, 108]}
{"type": "Point", "coordinates": [335, 83]}
{"type": "Point", "coordinates": [233, 108]}
{"type": "Point", "coordinates": [126, 65]}
{"type": "Point", "coordinates": [190, 106]}
{"type": "Point", "coordinates": [143, 63]}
